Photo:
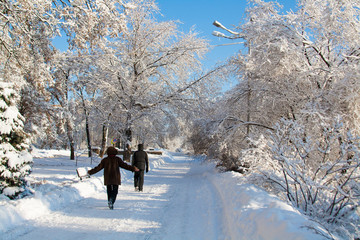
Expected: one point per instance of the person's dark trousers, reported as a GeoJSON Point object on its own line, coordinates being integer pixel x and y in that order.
{"type": "Point", "coordinates": [139, 179]}
{"type": "Point", "coordinates": [112, 191]}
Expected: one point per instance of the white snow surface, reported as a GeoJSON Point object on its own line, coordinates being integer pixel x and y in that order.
{"type": "Point", "coordinates": [184, 197]}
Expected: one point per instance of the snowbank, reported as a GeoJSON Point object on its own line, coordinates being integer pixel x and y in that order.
{"type": "Point", "coordinates": [47, 198]}
{"type": "Point", "coordinates": [254, 214]}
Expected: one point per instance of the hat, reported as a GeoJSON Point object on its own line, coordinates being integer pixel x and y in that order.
{"type": "Point", "coordinates": [111, 151]}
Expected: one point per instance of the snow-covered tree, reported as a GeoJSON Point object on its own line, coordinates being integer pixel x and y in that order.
{"type": "Point", "coordinates": [15, 160]}
{"type": "Point", "coordinates": [300, 69]}
{"type": "Point", "coordinates": [89, 24]}
{"type": "Point", "coordinates": [328, 189]}
{"type": "Point", "coordinates": [149, 66]}
{"type": "Point", "coordinates": [25, 56]}
{"type": "Point", "coordinates": [27, 29]}
{"type": "Point", "coordinates": [299, 65]}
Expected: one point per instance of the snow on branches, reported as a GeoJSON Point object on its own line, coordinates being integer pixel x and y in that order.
{"type": "Point", "coordinates": [319, 176]}
{"type": "Point", "coordinates": [15, 160]}
{"type": "Point", "coordinates": [300, 71]}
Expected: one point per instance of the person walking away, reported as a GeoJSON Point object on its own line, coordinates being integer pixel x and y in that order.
{"type": "Point", "coordinates": [127, 153]}
{"type": "Point", "coordinates": [112, 177]}
{"type": "Point", "coordinates": [141, 161]}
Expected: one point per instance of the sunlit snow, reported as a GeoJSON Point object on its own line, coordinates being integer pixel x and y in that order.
{"type": "Point", "coordinates": [184, 198]}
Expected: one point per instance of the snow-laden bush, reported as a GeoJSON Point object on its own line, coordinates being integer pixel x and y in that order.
{"type": "Point", "coordinates": [15, 160]}
{"type": "Point", "coordinates": [320, 177]}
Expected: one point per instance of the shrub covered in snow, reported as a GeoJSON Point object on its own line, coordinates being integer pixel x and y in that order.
{"type": "Point", "coordinates": [320, 177]}
{"type": "Point", "coordinates": [15, 160]}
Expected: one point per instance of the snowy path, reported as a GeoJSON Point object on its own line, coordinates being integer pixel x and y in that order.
{"type": "Point", "coordinates": [178, 202]}
{"type": "Point", "coordinates": [183, 198]}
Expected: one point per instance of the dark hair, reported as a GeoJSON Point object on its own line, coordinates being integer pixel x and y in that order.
{"type": "Point", "coordinates": [111, 151]}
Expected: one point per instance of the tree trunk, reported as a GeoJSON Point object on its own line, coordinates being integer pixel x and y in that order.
{"type": "Point", "coordinates": [105, 131]}
{"type": "Point", "coordinates": [72, 151]}
{"type": "Point", "coordinates": [128, 134]}
{"type": "Point", "coordinates": [70, 135]}
{"type": "Point", "coordinates": [69, 123]}
{"type": "Point", "coordinates": [86, 124]}
{"type": "Point", "coordinates": [248, 117]}
{"type": "Point", "coordinates": [88, 135]}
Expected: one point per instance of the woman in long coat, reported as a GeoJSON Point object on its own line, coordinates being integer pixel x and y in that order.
{"type": "Point", "coordinates": [112, 177]}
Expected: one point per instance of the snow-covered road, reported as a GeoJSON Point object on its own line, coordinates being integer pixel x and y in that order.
{"type": "Point", "coordinates": [178, 202]}
{"type": "Point", "coordinates": [191, 209]}
{"type": "Point", "coordinates": [183, 198]}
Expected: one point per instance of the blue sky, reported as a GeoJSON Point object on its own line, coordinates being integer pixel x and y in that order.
{"type": "Point", "coordinates": [202, 13]}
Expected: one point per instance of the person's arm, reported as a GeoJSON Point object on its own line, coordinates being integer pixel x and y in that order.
{"type": "Point", "coordinates": [122, 164]}
{"type": "Point", "coordinates": [97, 168]}
{"type": "Point", "coordinates": [147, 162]}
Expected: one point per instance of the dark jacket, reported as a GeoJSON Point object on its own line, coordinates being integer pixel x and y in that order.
{"type": "Point", "coordinates": [140, 159]}
{"type": "Point", "coordinates": [111, 165]}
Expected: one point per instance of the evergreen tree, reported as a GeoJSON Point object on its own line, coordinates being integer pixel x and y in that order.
{"type": "Point", "coordinates": [15, 160]}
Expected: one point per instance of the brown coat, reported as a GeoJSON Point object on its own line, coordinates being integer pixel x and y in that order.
{"type": "Point", "coordinates": [111, 165]}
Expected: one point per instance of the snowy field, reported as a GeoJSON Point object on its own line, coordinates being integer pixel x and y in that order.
{"type": "Point", "coordinates": [184, 198]}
